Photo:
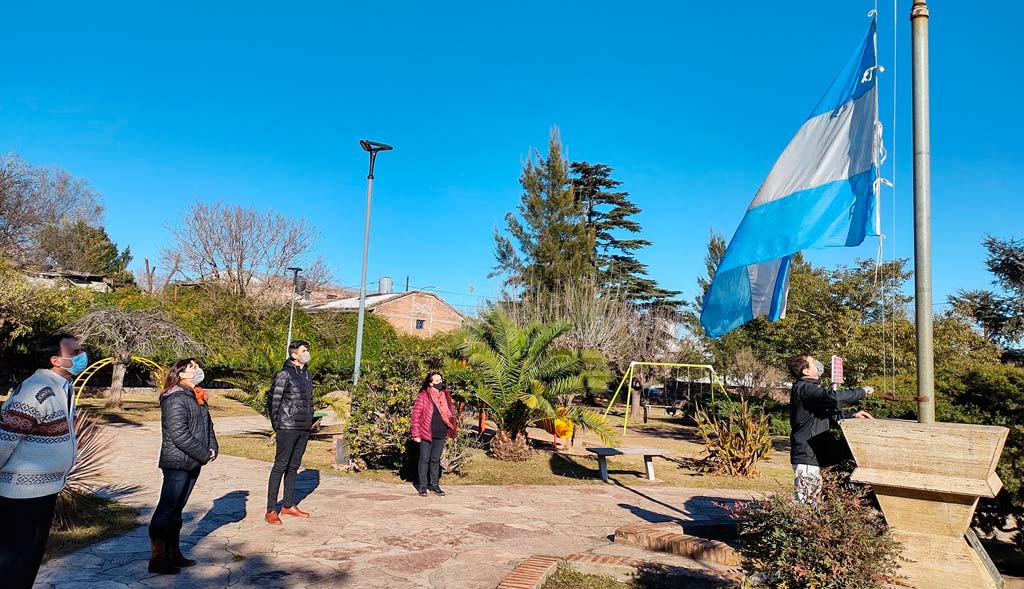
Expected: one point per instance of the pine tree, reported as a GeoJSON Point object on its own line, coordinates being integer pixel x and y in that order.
{"type": "Point", "coordinates": [609, 212]}
{"type": "Point", "coordinates": [82, 247]}
{"type": "Point", "coordinates": [999, 312]}
{"type": "Point", "coordinates": [548, 242]}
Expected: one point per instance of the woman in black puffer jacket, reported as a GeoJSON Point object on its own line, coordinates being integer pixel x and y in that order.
{"type": "Point", "coordinates": [188, 443]}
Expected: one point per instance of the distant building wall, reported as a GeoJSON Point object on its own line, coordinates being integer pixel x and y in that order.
{"type": "Point", "coordinates": [421, 314]}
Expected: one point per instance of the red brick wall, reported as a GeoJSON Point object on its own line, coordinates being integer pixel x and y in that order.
{"type": "Point", "coordinates": [402, 313]}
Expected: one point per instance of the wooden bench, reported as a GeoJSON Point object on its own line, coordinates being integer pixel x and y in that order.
{"type": "Point", "coordinates": [647, 453]}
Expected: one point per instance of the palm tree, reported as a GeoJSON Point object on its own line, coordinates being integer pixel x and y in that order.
{"type": "Point", "coordinates": [123, 334]}
{"type": "Point", "coordinates": [524, 380]}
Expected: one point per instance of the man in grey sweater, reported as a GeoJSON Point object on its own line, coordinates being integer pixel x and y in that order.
{"type": "Point", "coordinates": [37, 450]}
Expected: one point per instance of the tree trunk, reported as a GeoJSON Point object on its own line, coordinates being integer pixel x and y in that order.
{"type": "Point", "coordinates": [116, 385]}
{"type": "Point", "coordinates": [511, 447]}
{"type": "Point", "coordinates": [634, 405]}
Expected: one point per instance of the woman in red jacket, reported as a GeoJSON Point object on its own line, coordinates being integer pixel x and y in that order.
{"type": "Point", "coordinates": [433, 421]}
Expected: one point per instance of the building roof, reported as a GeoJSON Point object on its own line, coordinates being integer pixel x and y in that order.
{"type": "Point", "coordinates": [351, 304]}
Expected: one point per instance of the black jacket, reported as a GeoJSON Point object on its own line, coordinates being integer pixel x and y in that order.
{"type": "Point", "coordinates": [187, 430]}
{"type": "Point", "coordinates": [290, 400]}
{"type": "Point", "coordinates": [812, 410]}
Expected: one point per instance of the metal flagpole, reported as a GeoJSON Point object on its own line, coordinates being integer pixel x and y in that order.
{"type": "Point", "coordinates": [372, 147]}
{"type": "Point", "coordinates": [922, 216]}
{"type": "Point", "coordinates": [291, 315]}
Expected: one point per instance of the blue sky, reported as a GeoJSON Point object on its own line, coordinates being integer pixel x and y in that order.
{"type": "Point", "coordinates": [264, 103]}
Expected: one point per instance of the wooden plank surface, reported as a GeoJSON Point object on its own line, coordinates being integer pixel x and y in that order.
{"type": "Point", "coordinates": [621, 451]}
{"type": "Point", "coordinates": [935, 449]}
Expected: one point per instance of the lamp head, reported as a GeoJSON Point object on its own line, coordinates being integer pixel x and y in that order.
{"type": "Point", "coordinates": [374, 146]}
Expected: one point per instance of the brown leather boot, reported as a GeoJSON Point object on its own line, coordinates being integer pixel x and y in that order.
{"type": "Point", "coordinates": [174, 547]}
{"type": "Point", "coordinates": [293, 510]}
{"type": "Point", "coordinates": [159, 560]}
{"type": "Point", "coordinates": [272, 518]}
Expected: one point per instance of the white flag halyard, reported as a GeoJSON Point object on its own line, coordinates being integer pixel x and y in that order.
{"type": "Point", "coordinates": [820, 193]}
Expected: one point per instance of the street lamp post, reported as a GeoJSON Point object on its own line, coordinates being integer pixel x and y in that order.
{"type": "Point", "coordinates": [291, 314]}
{"type": "Point", "coordinates": [373, 148]}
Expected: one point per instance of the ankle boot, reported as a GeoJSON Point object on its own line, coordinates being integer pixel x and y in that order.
{"type": "Point", "coordinates": [159, 559]}
{"type": "Point", "coordinates": [174, 548]}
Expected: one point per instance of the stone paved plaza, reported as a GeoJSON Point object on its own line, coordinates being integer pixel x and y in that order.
{"type": "Point", "coordinates": [362, 534]}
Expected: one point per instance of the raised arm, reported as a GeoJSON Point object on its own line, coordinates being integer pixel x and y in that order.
{"type": "Point", "coordinates": [818, 398]}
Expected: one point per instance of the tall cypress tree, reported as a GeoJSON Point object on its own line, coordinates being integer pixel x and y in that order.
{"type": "Point", "coordinates": [608, 213]}
{"type": "Point", "coordinates": [548, 242]}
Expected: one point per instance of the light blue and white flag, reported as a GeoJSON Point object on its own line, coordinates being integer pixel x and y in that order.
{"type": "Point", "coordinates": [820, 193]}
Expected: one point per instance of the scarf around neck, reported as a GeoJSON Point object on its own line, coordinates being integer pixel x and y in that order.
{"type": "Point", "coordinates": [439, 400]}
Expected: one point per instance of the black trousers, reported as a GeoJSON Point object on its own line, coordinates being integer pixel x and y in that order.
{"type": "Point", "coordinates": [174, 494]}
{"type": "Point", "coordinates": [26, 527]}
{"type": "Point", "coordinates": [430, 462]}
{"type": "Point", "coordinates": [291, 445]}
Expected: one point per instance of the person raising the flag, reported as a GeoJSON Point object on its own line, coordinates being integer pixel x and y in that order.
{"type": "Point", "coordinates": [812, 410]}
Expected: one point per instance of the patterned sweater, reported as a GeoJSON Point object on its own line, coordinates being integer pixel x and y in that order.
{"type": "Point", "coordinates": [37, 442]}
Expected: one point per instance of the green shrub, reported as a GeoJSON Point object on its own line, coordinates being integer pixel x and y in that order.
{"type": "Point", "coordinates": [381, 409]}
{"type": "Point", "coordinates": [29, 312]}
{"type": "Point", "coordinates": [779, 424]}
{"type": "Point", "coordinates": [839, 543]}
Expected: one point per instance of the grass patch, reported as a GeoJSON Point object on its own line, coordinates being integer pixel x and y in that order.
{"type": "Point", "coordinates": [647, 577]}
{"type": "Point", "coordinates": [101, 519]}
{"type": "Point", "coordinates": [139, 407]}
{"type": "Point", "coordinates": [543, 468]}
{"type": "Point", "coordinates": [260, 446]}
{"type": "Point", "coordinates": [566, 577]}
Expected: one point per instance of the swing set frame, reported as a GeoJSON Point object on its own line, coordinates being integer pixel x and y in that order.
{"type": "Point", "coordinates": [628, 378]}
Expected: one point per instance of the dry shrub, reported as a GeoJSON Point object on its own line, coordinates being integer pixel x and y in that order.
{"type": "Point", "coordinates": [734, 443]}
{"type": "Point", "coordinates": [85, 477]}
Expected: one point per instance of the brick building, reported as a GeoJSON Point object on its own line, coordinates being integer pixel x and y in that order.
{"type": "Point", "coordinates": [415, 312]}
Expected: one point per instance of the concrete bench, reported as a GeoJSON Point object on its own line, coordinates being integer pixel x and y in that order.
{"type": "Point", "coordinates": [647, 453]}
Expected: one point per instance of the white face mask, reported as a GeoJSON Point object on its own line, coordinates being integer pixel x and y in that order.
{"type": "Point", "coordinates": [197, 376]}
{"type": "Point", "coordinates": [304, 357]}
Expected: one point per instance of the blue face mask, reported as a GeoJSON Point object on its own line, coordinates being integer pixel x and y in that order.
{"type": "Point", "coordinates": [78, 363]}
{"type": "Point", "coordinates": [820, 367]}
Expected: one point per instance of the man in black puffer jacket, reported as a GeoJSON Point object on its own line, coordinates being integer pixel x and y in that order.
{"type": "Point", "coordinates": [812, 410]}
{"type": "Point", "coordinates": [290, 406]}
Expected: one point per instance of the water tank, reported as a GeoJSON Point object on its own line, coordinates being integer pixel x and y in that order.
{"type": "Point", "coordinates": [385, 286]}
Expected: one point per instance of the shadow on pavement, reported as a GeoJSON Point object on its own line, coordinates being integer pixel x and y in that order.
{"type": "Point", "coordinates": [227, 509]}
{"type": "Point", "coordinates": [305, 483]}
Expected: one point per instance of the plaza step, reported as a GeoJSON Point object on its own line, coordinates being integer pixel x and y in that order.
{"type": "Point", "coordinates": [674, 538]}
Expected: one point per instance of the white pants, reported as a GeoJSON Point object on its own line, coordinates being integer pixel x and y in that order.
{"type": "Point", "coordinates": [807, 483]}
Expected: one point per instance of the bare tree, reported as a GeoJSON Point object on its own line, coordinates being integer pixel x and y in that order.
{"type": "Point", "coordinates": [603, 320]}
{"type": "Point", "coordinates": [148, 274]}
{"type": "Point", "coordinates": [123, 334]}
{"type": "Point", "coordinates": [246, 250]}
{"type": "Point", "coordinates": [753, 377]}
{"type": "Point", "coordinates": [33, 197]}
{"type": "Point", "coordinates": [17, 216]}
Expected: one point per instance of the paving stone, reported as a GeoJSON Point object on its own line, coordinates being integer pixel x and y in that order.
{"type": "Point", "coordinates": [413, 562]}
{"type": "Point", "coordinates": [364, 534]}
